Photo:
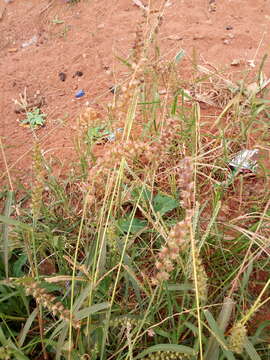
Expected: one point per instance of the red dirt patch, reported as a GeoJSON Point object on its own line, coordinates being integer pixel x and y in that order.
{"type": "Point", "coordinates": [86, 37]}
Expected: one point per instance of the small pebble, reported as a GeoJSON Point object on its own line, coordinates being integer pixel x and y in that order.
{"type": "Point", "coordinates": [229, 27]}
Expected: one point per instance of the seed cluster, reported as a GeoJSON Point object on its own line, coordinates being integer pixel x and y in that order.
{"type": "Point", "coordinates": [50, 302]}
{"type": "Point", "coordinates": [178, 237]}
{"type": "Point", "coordinates": [237, 338]}
{"type": "Point", "coordinates": [166, 355]}
{"type": "Point", "coordinates": [123, 321]}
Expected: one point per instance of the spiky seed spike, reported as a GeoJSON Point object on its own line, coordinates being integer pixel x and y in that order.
{"type": "Point", "coordinates": [237, 338]}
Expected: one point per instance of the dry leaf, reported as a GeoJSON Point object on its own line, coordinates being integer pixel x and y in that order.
{"type": "Point", "coordinates": [175, 37]}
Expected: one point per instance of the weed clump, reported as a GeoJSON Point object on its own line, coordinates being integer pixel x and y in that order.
{"type": "Point", "coordinates": [140, 209]}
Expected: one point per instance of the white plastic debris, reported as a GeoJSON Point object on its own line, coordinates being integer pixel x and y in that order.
{"type": "Point", "coordinates": [251, 63]}
{"type": "Point", "coordinates": [140, 4]}
{"type": "Point", "coordinates": [112, 136]}
{"type": "Point", "coordinates": [245, 160]}
{"type": "Point", "coordinates": [30, 42]}
{"type": "Point", "coordinates": [236, 62]}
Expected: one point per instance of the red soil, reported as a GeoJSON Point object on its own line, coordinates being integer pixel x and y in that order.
{"type": "Point", "coordinates": [91, 34]}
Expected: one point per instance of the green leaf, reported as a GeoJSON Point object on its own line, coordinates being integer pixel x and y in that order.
{"type": "Point", "coordinates": [18, 265]}
{"type": "Point", "coordinates": [145, 194]}
{"type": "Point", "coordinates": [182, 349]}
{"type": "Point", "coordinates": [50, 287]}
{"type": "Point", "coordinates": [133, 225]}
{"type": "Point", "coordinates": [162, 333]}
{"type": "Point", "coordinates": [164, 204]}
{"type": "Point", "coordinates": [34, 118]}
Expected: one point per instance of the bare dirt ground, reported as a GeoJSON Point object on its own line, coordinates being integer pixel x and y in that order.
{"type": "Point", "coordinates": [87, 37]}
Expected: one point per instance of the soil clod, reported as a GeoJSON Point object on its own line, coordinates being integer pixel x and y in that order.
{"type": "Point", "coordinates": [78, 74]}
{"type": "Point", "coordinates": [62, 76]}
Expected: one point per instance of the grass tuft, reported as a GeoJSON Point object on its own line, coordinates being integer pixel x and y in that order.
{"type": "Point", "coordinates": [151, 246]}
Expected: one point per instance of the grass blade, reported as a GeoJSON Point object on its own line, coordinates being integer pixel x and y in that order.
{"type": "Point", "coordinates": [26, 327]}
{"type": "Point", "coordinates": [217, 338]}
{"type": "Point", "coordinates": [92, 310]}
{"type": "Point", "coordinates": [7, 220]}
{"type": "Point", "coordinates": [250, 349]}
{"type": "Point", "coordinates": [5, 230]}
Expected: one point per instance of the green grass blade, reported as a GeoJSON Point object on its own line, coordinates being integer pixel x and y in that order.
{"type": "Point", "coordinates": [217, 339]}
{"type": "Point", "coordinates": [26, 327]}
{"type": "Point", "coordinates": [210, 224]}
{"type": "Point", "coordinates": [250, 349]}
{"type": "Point", "coordinates": [7, 220]}
{"type": "Point", "coordinates": [92, 310]}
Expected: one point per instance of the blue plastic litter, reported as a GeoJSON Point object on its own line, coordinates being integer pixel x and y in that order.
{"type": "Point", "coordinates": [79, 94]}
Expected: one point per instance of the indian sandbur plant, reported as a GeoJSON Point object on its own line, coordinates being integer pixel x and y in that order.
{"type": "Point", "coordinates": [145, 250]}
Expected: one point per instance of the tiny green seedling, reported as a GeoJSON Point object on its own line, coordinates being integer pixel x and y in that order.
{"type": "Point", "coordinates": [57, 21]}
{"type": "Point", "coordinates": [64, 31]}
{"type": "Point", "coordinates": [96, 134]}
{"type": "Point", "coordinates": [34, 119]}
